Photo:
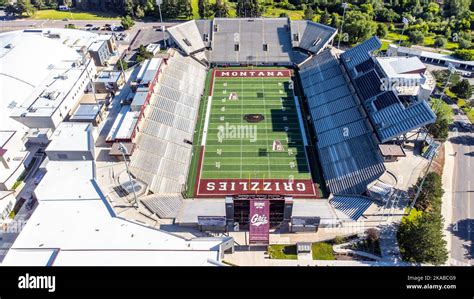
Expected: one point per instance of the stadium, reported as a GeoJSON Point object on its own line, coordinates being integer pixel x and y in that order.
{"type": "Point", "coordinates": [252, 114]}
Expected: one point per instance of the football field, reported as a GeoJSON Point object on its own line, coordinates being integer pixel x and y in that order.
{"type": "Point", "coordinates": [253, 140]}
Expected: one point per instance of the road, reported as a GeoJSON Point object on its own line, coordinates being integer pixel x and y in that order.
{"type": "Point", "coordinates": [19, 24]}
{"type": "Point", "coordinates": [462, 235]}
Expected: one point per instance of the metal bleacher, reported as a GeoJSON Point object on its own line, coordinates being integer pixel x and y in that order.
{"type": "Point", "coordinates": [345, 141]}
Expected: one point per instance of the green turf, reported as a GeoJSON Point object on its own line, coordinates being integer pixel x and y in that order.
{"type": "Point", "coordinates": [237, 149]}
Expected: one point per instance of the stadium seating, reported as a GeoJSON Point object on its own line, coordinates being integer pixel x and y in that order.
{"type": "Point", "coordinates": [346, 145]}
{"type": "Point", "coordinates": [351, 206]}
{"type": "Point", "coordinates": [164, 206]}
{"type": "Point", "coordinates": [163, 152]}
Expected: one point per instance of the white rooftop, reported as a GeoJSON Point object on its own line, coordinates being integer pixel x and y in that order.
{"type": "Point", "coordinates": [406, 67]}
{"type": "Point", "coordinates": [71, 136]}
{"type": "Point", "coordinates": [67, 180]}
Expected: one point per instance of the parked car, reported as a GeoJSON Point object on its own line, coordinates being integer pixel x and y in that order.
{"type": "Point", "coordinates": [65, 19]}
{"type": "Point", "coordinates": [89, 25]}
{"type": "Point", "coordinates": [466, 74]}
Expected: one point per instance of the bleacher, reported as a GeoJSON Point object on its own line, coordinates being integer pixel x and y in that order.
{"type": "Point", "coordinates": [347, 148]}
{"type": "Point", "coordinates": [163, 153]}
{"type": "Point", "coordinates": [352, 207]}
{"type": "Point", "coordinates": [165, 206]}
{"type": "Point", "coordinates": [187, 36]}
{"type": "Point", "coordinates": [310, 36]}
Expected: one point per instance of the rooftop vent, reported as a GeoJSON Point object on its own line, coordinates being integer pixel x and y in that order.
{"type": "Point", "coordinates": [316, 42]}
{"type": "Point", "coordinates": [296, 37]}
{"type": "Point", "coordinates": [187, 42]}
{"type": "Point", "coordinates": [9, 46]}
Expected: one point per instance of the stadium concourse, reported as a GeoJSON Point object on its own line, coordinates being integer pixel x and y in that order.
{"type": "Point", "coordinates": [281, 115]}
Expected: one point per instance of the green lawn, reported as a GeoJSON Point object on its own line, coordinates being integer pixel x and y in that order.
{"type": "Point", "coordinates": [322, 251]}
{"type": "Point", "coordinates": [276, 12]}
{"type": "Point", "coordinates": [73, 15]}
{"type": "Point", "coordinates": [239, 149]}
{"type": "Point", "coordinates": [287, 252]}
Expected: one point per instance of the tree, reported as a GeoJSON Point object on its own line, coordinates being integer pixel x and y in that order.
{"type": "Point", "coordinates": [204, 9]}
{"type": "Point", "coordinates": [24, 7]}
{"type": "Point", "coordinates": [308, 13]}
{"type": "Point", "coordinates": [464, 43]}
{"type": "Point", "coordinates": [458, 8]}
{"type": "Point", "coordinates": [143, 54]}
{"type": "Point", "coordinates": [359, 26]}
{"type": "Point", "coordinates": [463, 89]}
{"type": "Point", "coordinates": [127, 22]}
{"type": "Point", "coordinates": [325, 18]}
{"type": "Point", "coordinates": [221, 9]}
{"type": "Point", "coordinates": [187, 9]}
{"type": "Point", "coordinates": [382, 30]}
{"type": "Point", "coordinates": [416, 37]}
{"type": "Point", "coordinates": [421, 239]}
{"type": "Point", "coordinates": [440, 128]}
{"type": "Point", "coordinates": [10, 10]}
{"type": "Point", "coordinates": [121, 62]}
{"type": "Point", "coordinates": [440, 42]}
{"type": "Point", "coordinates": [249, 8]}
{"type": "Point", "coordinates": [464, 54]}
{"type": "Point", "coordinates": [430, 194]}
{"type": "Point", "coordinates": [139, 13]}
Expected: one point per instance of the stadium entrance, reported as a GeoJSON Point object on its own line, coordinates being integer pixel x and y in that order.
{"type": "Point", "coordinates": [242, 210]}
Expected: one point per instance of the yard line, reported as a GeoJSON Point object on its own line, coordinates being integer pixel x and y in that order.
{"type": "Point", "coordinates": [241, 99]}
{"type": "Point", "coordinates": [266, 133]}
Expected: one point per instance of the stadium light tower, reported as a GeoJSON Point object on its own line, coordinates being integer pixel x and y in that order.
{"type": "Point", "coordinates": [124, 152]}
{"type": "Point", "coordinates": [344, 6]}
{"type": "Point", "coordinates": [159, 2]}
{"type": "Point", "coordinates": [405, 23]}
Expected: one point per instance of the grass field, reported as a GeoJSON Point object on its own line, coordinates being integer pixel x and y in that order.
{"type": "Point", "coordinates": [53, 14]}
{"type": "Point", "coordinates": [238, 149]}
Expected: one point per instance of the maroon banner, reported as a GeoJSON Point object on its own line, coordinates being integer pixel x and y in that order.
{"type": "Point", "coordinates": [252, 73]}
{"type": "Point", "coordinates": [224, 187]}
{"type": "Point", "coordinates": [259, 222]}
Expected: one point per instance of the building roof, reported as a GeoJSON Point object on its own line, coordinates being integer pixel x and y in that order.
{"type": "Point", "coordinates": [25, 74]}
{"type": "Point", "coordinates": [390, 116]}
{"type": "Point", "coordinates": [67, 180]}
{"type": "Point", "coordinates": [311, 36]}
{"type": "Point", "coordinates": [75, 225]}
{"type": "Point", "coordinates": [124, 124]}
{"type": "Point", "coordinates": [401, 66]}
{"type": "Point", "coordinates": [85, 112]}
{"type": "Point", "coordinates": [313, 208]}
{"type": "Point", "coordinates": [71, 136]}
{"type": "Point", "coordinates": [107, 76]}
{"type": "Point", "coordinates": [187, 36]}
{"type": "Point", "coordinates": [393, 150]}
{"type": "Point", "coordinates": [97, 45]}
{"type": "Point", "coordinates": [431, 55]}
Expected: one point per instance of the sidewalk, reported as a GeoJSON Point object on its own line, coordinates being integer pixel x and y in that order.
{"type": "Point", "coordinates": [447, 200]}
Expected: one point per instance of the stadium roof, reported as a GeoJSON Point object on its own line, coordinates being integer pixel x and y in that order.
{"type": "Point", "coordinates": [390, 116]}
{"type": "Point", "coordinates": [311, 36]}
{"type": "Point", "coordinates": [252, 40]}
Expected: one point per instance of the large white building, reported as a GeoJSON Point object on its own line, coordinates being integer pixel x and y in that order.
{"type": "Point", "coordinates": [75, 225]}
{"type": "Point", "coordinates": [43, 74]}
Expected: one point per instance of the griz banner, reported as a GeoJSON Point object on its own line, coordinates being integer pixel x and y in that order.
{"type": "Point", "coordinates": [259, 222]}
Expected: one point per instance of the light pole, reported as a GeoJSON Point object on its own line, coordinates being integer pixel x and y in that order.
{"type": "Point", "coordinates": [451, 70]}
{"type": "Point", "coordinates": [344, 6]}
{"type": "Point", "coordinates": [124, 152]}
{"type": "Point", "coordinates": [405, 23]}
{"type": "Point", "coordinates": [159, 2]}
